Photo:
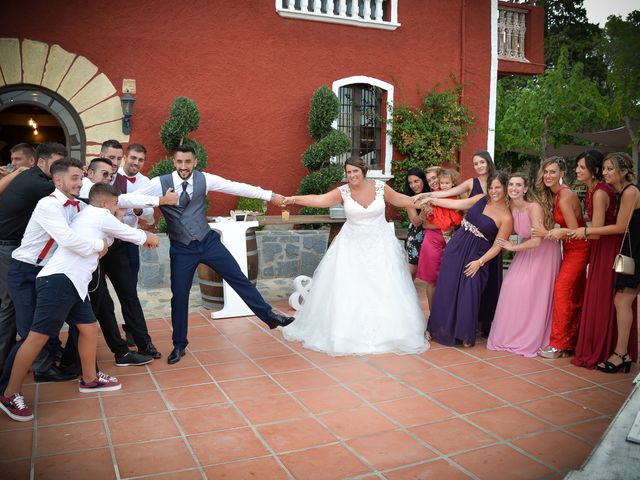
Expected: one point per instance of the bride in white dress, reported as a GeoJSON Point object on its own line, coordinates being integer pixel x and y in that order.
{"type": "Point", "coordinates": [362, 299]}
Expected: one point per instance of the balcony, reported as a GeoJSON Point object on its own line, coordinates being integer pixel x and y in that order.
{"type": "Point", "coordinates": [381, 14]}
{"type": "Point", "coordinates": [520, 39]}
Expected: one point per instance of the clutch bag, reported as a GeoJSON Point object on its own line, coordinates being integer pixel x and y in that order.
{"type": "Point", "coordinates": [624, 265]}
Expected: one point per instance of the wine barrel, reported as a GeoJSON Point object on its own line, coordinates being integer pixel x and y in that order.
{"type": "Point", "coordinates": [211, 281]}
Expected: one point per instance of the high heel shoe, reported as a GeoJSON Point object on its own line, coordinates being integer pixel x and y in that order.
{"type": "Point", "coordinates": [610, 367]}
{"type": "Point", "coordinates": [552, 352]}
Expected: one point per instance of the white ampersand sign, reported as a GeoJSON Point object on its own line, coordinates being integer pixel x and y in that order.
{"type": "Point", "coordinates": [302, 284]}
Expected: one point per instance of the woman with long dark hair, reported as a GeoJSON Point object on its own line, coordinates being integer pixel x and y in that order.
{"type": "Point", "coordinates": [415, 184]}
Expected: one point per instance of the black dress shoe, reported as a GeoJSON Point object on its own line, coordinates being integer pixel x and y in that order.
{"type": "Point", "coordinates": [176, 354]}
{"type": "Point", "coordinates": [152, 351]}
{"type": "Point", "coordinates": [276, 320]}
{"type": "Point", "coordinates": [54, 374]}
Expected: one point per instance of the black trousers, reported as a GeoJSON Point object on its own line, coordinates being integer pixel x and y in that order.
{"type": "Point", "coordinates": [115, 265]}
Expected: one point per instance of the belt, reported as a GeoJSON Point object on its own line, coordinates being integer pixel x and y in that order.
{"type": "Point", "coordinates": [10, 243]}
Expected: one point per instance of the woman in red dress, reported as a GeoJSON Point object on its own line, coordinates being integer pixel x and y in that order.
{"type": "Point", "coordinates": [596, 336]}
{"type": "Point", "coordinates": [568, 290]}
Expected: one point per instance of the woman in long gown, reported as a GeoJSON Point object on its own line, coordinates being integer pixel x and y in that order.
{"type": "Point", "coordinates": [568, 291]}
{"type": "Point", "coordinates": [415, 184]}
{"type": "Point", "coordinates": [362, 298]}
{"type": "Point", "coordinates": [618, 172]}
{"type": "Point", "coordinates": [522, 323]}
{"type": "Point", "coordinates": [596, 336]}
{"type": "Point", "coordinates": [465, 276]}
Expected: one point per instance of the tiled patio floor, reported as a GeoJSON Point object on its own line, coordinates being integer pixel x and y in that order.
{"type": "Point", "coordinates": [243, 403]}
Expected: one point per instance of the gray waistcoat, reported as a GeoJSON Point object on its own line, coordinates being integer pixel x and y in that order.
{"type": "Point", "coordinates": [186, 224]}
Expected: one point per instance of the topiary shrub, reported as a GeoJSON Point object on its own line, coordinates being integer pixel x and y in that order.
{"type": "Point", "coordinates": [330, 142]}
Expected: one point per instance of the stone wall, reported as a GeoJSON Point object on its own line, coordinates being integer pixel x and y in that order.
{"type": "Point", "coordinates": [281, 253]}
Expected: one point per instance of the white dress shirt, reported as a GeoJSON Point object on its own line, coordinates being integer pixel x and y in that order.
{"type": "Point", "coordinates": [214, 184]}
{"type": "Point", "coordinates": [126, 200]}
{"type": "Point", "coordinates": [86, 186]}
{"type": "Point", "coordinates": [131, 218]}
{"type": "Point", "coordinates": [92, 222]}
{"type": "Point", "coordinates": [50, 220]}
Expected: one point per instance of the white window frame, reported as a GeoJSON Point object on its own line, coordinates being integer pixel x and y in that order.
{"type": "Point", "coordinates": [384, 174]}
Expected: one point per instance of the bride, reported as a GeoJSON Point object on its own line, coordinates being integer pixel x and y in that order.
{"type": "Point", "coordinates": [362, 299]}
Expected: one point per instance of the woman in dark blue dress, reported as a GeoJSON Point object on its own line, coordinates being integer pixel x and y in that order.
{"type": "Point", "coordinates": [465, 275]}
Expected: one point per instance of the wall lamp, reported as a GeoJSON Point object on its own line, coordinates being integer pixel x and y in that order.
{"type": "Point", "coordinates": [127, 102]}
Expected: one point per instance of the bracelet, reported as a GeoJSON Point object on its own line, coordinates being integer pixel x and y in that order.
{"type": "Point", "coordinates": [481, 262]}
{"type": "Point", "coordinates": [585, 232]}
{"type": "Point", "coordinates": [293, 200]}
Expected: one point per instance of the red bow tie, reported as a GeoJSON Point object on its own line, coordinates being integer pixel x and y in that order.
{"type": "Point", "coordinates": [131, 179]}
{"type": "Point", "coordinates": [74, 203]}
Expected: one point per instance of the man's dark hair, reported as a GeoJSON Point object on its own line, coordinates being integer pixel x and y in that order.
{"type": "Point", "coordinates": [102, 190]}
{"type": "Point", "coordinates": [110, 144]}
{"type": "Point", "coordinates": [136, 147]}
{"type": "Point", "coordinates": [61, 166]}
{"type": "Point", "coordinates": [25, 148]}
{"type": "Point", "coordinates": [92, 164]}
{"type": "Point", "coordinates": [184, 148]}
{"type": "Point", "coordinates": [46, 150]}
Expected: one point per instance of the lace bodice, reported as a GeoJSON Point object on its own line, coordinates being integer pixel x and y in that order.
{"type": "Point", "coordinates": [359, 215]}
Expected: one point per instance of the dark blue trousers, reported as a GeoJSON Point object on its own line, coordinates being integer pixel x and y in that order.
{"type": "Point", "coordinates": [211, 252]}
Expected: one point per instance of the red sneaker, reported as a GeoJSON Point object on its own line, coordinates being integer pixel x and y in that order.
{"type": "Point", "coordinates": [99, 384]}
{"type": "Point", "coordinates": [15, 408]}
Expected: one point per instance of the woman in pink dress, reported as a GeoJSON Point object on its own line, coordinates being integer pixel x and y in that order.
{"type": "Point", "coordinates": [522, 322]}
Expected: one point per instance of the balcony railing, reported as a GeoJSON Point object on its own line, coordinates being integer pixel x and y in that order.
{"type": "Point", "coordinates": [381, 14]}
{"type": "Point", "coordinates": [512, 26]}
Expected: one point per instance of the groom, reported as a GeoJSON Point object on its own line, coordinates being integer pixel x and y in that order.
{"type": "Point", "coordinates": [193, 242]}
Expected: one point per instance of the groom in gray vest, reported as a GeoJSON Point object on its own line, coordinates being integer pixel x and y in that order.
{"type": "Point", "coordinates": [193, 242]}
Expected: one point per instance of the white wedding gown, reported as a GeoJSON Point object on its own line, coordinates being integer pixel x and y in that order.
{"type": "Point", "coordinates": [362, 299]}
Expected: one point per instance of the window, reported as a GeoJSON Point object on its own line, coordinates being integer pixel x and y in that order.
{"type": "Point", "coordinates": [363, 117]}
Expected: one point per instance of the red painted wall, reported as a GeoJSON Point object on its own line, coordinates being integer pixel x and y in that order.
{"type": "Point", "coordinates": [252, 72]}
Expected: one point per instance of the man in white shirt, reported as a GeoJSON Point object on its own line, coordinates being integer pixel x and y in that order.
{"type": "Point", "coordinates": [62, 295]}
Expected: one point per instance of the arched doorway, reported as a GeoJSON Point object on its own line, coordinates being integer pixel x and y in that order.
{"type": "Point", "coordinates": [56, 120]}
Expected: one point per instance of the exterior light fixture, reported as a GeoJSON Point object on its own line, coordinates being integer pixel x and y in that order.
{"type": "Point", "coordinates": [127, 102]}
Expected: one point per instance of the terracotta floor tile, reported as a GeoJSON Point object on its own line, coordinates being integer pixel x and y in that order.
{"type": "Point", "coordinates": [466, 399]}
{"type": "Point", "coordinates": [438, 469]}
{"type": "Point", "coordinates": [591, 430]}
{"type": "Point", "coordinates": [295, 434]}
{"type": "Point", "coordinates": [66, 466]}
{"type": "Point", "coordinates": [157, 366]}
{"type": "Point", "coordinates": [263, 350]}
{"type": "Point", "coordinates": [514, 389]}
{"type": "Point", "coordinates": [71, 437]}
{"type": "Point", "coordinates": [256, 336]}
{"type": "Point", "coordinates": [380, 389]}
{"type": "Point", "coordinates": [413, 411]}
{"type": "Point", "coordinates": [223, 355]}
{"type": "Point", "coordinates": [154, 325]}
{"type": "Point", "coordinates": [596, 376]}
{"type": "Point", "coordinates": [69, 411]}
{"type": "Point", "coordinates": [191, 474]}
{"type": "Point", "coordinates": [250, 387]}
{"type": "Point", "coordinates": [226, 446]}
{"type": "Point", "coordinates": [452, 435]}
{"type": "Point", "coordinates": [182, 377]}
{"type": "Point", "coordinates": [261, 468]}
{"type": "Point", "coordinates": [212, 342]}
{"type": "Point", "coordinates": [598, 399]}
{"type": "Point", "coordinates": [500, 462]}
{"type": "Point", "coordinates": [357, 422]}
{"type": "Point", "coordinates": [354, 372]}
{"type": "Point", "coordinates": [434, 381]}
{"type": "Point", "coordinates": [193, 396]}
{"type": "Point", "coordinates": [17, 469]}
{"type": "Point", "coordinates": [443, 357]}
{"type": "Point", "coordinates": [141, 428]}
{"type": "Point", "coordinates": [520, 365]}
{"type": "Point", "coordinates": [390, 449]}
{"type": "Point", "coordinates": [322, 359]}
{"type": "Point", "coordinates": [133, 403]}
{"type": "Point", "coordinates": [480, 351]}
{"type": "Point", "coordinates": [303, 380]}
{"type": "Point", "coordinates": [270, 408]}
{"type": "Point", "coordinates": [556, 449]}
{"type": "Point", "coordinates": [6, 424]}
{"type": "Point", "coordinates": [400, 365]}
{"type": "Point", "coordinates": [327, 399]}
{"type": "Point", "coordinates": [153, 457]}
{"type": "Point", "coordinates": [558, 381]}
{"type": "Point", "coordinates": [477, 372]}
{"type": "Point", "coordinates": [16, 444]}
{"type": "Point", "coordinates": [624, 386]}
{"type": "Point", "coordinates": [284, 363]}
{"type": "Point", "coordinates": [508, 422]}
{"type": "Point", "coordinates": [56, 391]}
{"type": "Point", "coordinates": [235, 326]}
{"type": "Point", "coordinates": [141, 382]}
{"type": "Point", "coordinates": [558, 410]}
{"type": "Point", "coordinates": [208, 418]}
{"type": "Point", "coordinates": [234, 370]}
{"type": "Point", "coordinates": [331, 462]}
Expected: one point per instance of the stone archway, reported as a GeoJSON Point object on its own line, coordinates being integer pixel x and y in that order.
{"type": "Point", "coordinates": [90, 94]}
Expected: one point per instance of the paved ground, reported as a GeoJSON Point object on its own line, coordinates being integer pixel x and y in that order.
{"type": "Point", "coordinates": [244, 403]}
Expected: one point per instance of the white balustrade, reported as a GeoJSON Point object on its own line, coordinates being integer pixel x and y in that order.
{"type": "Point", "coordinates": [382, 14]}
{"type": "Point", "coordinates": [512, 26]}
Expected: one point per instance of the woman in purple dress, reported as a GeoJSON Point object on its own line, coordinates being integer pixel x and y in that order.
{"type": "Point", "coordinates": [462, 283]}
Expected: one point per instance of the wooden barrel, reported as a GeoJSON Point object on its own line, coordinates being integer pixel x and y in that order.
{"type": "Point", "coordinates": [211, 281]}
